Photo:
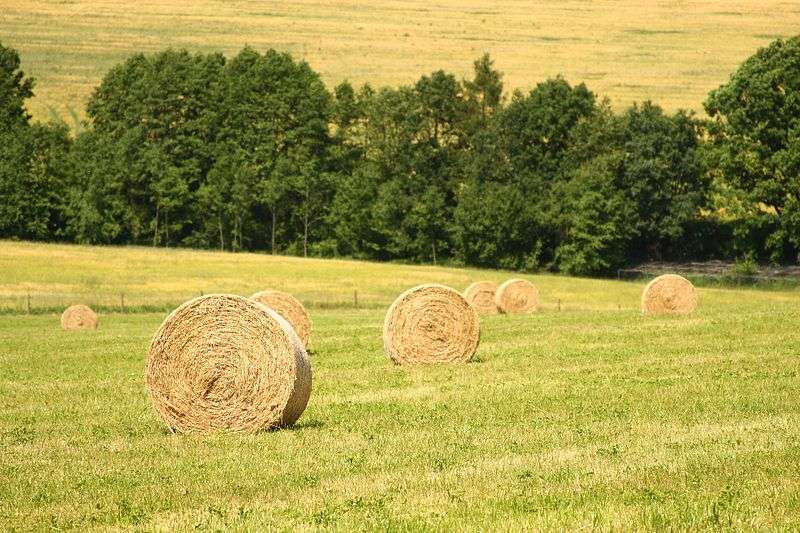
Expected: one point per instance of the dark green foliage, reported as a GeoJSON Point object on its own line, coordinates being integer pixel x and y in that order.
{"type": "Point", "coordinates": [756, 139]}
{"type": "Point", "coordinates": [155, 119]}
{"type": "Point", "coordinates": [598, 233]}
{"type": "Point", "coordinates": [485, 90]}
{"type": "Point", "coordinates": [662, 176]}
{"type": "Point", "coordinates": [635, 184]}
{"type": "Point", "coordinates": [33, 165]}
{"type": "Point", "coordinates": [254, 153]}
{"type": "Point", "coordinates": [507, 216]}
{"type": "Point", "coordinates": [410, 140]}
{"type": "Point", "coordinates": [32, 161]}
{"type": "Point", "coordinates": [15, 88]}
{"type": "Point", "coordinates": [276, 113]}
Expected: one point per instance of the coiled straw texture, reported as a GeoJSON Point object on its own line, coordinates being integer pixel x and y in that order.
{"type": "Point", "coordinates": [430, 324]}
{"type": "Point", "coordinates": [516, 296]}
{"type": "Point", "coordinates": [669, 293]}
{"type": "Point", "coordinates": [480, 296]}
{"type": "Point", "coordinates": [289, 308]}
{"type": "Point", "coordinates": [78, 317]}
{"type": "Point", "coordinates": [224, 362]}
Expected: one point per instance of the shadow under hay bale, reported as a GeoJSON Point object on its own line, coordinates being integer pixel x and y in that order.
{"type": "Point", "coordinates": [224, 362]}
{"type": "Point", "coordinates": [430, 324]}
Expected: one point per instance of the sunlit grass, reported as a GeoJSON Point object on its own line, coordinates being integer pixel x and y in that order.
{"type": "Point", "coordinates": [589, 417]}
{"type": "Point", "coordinates": [566, 420]}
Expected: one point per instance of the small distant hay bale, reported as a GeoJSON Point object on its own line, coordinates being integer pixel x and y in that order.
{"type": "Point", "coordinates": [430, 324]}
{"type": "Point", "coordinates": [290, 309]}
{"type": "Point", "coordinates": [516, 296]}
{"type": "Point", "coordinates": [480, 295]}
{"type": "Point", "coordinates": [224, 362]}
{"type": "Point", "coordinates": [78, 317]}
{"type": "Point", "coordinates": [669, 293]}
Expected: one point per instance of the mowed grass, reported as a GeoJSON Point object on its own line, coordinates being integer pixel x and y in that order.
{"type": "Point", "coordinates": [589, 417]}
{"type": "Point", "coordinates": [672, 52]}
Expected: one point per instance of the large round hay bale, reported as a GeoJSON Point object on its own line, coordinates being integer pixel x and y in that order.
{"type": "Point", "coordinates": [227, 362]}
{"type": "Point", "coordinates": [430, 324]}
{"type": "Point", "coordinates": [289, 308]}
{"type": "Point", "coordinates": [516, 296]}
{"type": "Point", "coordinates": [669, 293]}
{"type": "Point", "coordinates": [78, 317]}
{"type": "Point", "coordinates": [480, 295]}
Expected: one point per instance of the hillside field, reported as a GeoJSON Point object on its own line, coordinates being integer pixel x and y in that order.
{"type": "Point", "coordinates": [591, 417]}
{"type": "Point", "coordinates": [672, 52]}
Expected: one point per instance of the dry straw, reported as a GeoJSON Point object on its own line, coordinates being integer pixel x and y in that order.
{"type": "Point", "coordinates": [480, 295]}
{"type": "Point", "coordinates": [227, 362]}
{"type": "Point", "coordinates": [430, 324]}
{"type": "Point", "coordinates": [516, 296]}
{"type": "Point", "coordinates": [78, 317]}
{"type": "Point", "coordinates": [669, 293]}
{"type": "Point", "coordinates": [289, 308]}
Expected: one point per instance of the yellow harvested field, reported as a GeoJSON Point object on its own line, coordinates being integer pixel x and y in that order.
{"type": "Point", "coordinates": [672, 52]}
{"type": "Point", "coordinates": [57, 275]}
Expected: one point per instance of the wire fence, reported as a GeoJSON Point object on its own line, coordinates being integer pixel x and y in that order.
{"type": "Point", "coordinates": [37, 303]}
{"type": "Point", "coordinates": [108, 300]}
{"type": "Point", "coordinates": [726, 278]}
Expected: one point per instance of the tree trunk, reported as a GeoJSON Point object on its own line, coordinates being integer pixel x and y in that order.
{"type": "Point", "coordinates": [221, 235]}
{"type": "Point", "coordinates": [166, 227]}
{"type": "Point", "coordinates": [274, 223]}
{"type": "Point", "coordinates": [433, 247]}
{"type": "Point", "coordinates": [305, 234]}
{"type": "Point", "coordinates": [155, 231]}
{"type": "Point", "coordinates": [237, 232]}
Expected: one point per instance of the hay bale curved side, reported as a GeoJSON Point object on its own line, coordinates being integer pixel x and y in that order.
{"type": "Point", "coordinates": [302, 387]}
{"type": "Point", "coordinates": [289, 308]}
{"type": "Point", "coordinates": [430, 324]}
{"type": "Point", "coordinates": [516, 296]}
{"type": "Point", "coordinates": [669, 293]}
{"type": "Point", "coordinates": [224, 362]}
{"type": "Point", "coordinates": [78, 317]}
{"type": "Point", "coordinates": [481, 296]}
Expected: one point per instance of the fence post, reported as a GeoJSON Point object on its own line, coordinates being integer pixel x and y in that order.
{"type": "Point", "coordinates": [355, 298]}
{"type": "Point", "coordinates": [122, 301]}
{"type": "Point", "coordinates": [29, 302]}
{"type": "Point", "coordinates": [559, 304]}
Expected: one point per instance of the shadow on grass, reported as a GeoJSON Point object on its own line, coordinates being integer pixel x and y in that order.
{"type": "Point", "coordinates": [304, 424]}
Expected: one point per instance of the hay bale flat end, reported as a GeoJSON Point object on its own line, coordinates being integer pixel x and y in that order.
{"type": "Point", "coordinates": [77, 317]}
{"type": "Point", "coordinates": [669, 293]}
{"type": "Point", "coordinates": [224, 362]}
{"type": "Point", "coordinates": [430, 324]}
{"type": "Point", "coordinates": [517, 296]}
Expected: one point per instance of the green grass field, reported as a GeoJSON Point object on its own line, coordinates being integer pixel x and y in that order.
{"type": "Point", "coordinates": [672, 52]}
{"type": "Point", "coordinates": [592, 417]}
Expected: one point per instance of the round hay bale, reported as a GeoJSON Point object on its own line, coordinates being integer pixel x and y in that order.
{"type": "Point", "coordinates": [669, 293]}
{"type": "Point", "coordinates": [289, 308]}
{"type": "Point", "coordinates": [430, 324]}
{"type": "Point", "coordinates": [480, 295]}
{"type": "Point", "coordinates": [516, 296]}
{"type": "Point", "coordinates": [78, 317]}
{"type": "Point", "coordinates": [226, 362]}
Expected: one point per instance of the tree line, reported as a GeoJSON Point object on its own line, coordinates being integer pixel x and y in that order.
{"type": "Point", "coordinates": [255, 153]}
